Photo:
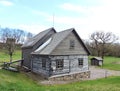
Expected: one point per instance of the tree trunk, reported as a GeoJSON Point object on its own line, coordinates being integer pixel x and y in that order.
{"type": "Point", "coordinates": [103, 52]}
{"type": "Point", "coordinates": [10, 57]}
{"type": "Point", "coordinates": [98, 53]}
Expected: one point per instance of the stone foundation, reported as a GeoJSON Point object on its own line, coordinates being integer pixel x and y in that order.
{"type": "Point", "coordinates": [72, 76]}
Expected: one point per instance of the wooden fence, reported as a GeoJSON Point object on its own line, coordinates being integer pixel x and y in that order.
{"type": "Point", "coordinates": [9, 65]}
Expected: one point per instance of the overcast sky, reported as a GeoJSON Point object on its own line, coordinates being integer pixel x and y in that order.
{"type": "Point", "coordinates": [86, 16]}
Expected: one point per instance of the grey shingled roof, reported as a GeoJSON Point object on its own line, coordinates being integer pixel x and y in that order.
{"type": "Point", "coordinates": [56, 40]}
{"type": "Point", "coordinates": [32, 41]}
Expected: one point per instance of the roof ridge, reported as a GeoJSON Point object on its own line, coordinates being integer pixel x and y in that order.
{"type": "Point", "coordinates": [43, 31]}
{"type": "Point", "coordinates": [37, 37]}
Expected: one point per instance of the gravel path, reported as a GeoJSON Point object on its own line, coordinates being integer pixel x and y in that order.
{"type": "Point", "coordinates": [101, 73]}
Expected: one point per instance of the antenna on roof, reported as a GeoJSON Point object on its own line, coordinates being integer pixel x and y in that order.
{"type": "Point", "coordinates": [53, 11]}
{"type": "Point", "coordinates": [53, 19]}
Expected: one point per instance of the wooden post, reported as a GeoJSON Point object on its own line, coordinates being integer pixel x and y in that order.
{"type": "Point", "coordinates": [10, 45]}
{"type": "Point", "coordinates": [105, 73]}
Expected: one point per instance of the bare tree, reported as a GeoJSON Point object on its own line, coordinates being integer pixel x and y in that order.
{"type": "Point", "coordinates": [10, 46]}
{"type": "Point", "coordinates": [29, 35]}
{"type": "Point", "coordinates": [95, 42]}
{"type": "Point", "coordinates": [101, 41]}
{"type": "Point", "coordinates": [5, 33]}
{"type": "Point", "coordinates": [18, 35]}
{"type": "Point", "coordinates": [114, 50]}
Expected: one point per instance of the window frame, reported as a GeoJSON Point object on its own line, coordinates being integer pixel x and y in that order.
{"type": "Point", "coordinates": [59, 64]}
{"type": "Point", "coordinates": [80, 62]}
{"type": "Point", "coordinates": [72, 44]}
{"type": "Point", "coordinates": [43, 63]}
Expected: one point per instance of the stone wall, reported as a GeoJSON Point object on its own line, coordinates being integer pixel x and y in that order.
{"type": "Point", "coordinates": [68, 77]}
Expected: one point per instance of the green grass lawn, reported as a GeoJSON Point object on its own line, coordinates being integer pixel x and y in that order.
{"type": "Point", "coordinates": [112, 63]}
{"type": "Point", "coordinates": [10, 81]}
{"type": "Point", "coordinates": [4, 57]}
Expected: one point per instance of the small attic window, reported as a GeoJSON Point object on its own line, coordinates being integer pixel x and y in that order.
{"type": "Point", "coordinates": [72, 44]}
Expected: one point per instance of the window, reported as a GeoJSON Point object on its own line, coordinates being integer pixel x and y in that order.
{"type": "Point", "coordinates": [43, 63]}
{"type": "Point", "coordinates": [59, 64]}
{"type": "Point", "coordinates": [72, 44]}
{"type": "Point", "coordinates": [80, 61]}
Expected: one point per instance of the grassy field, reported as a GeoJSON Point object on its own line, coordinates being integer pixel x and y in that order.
{"type": "Point", "coordinates": [112, 63]}
{"type": "Point", "coordinates": [10, 81]}
{"type": "Point", "coordinates": [4, 57]}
